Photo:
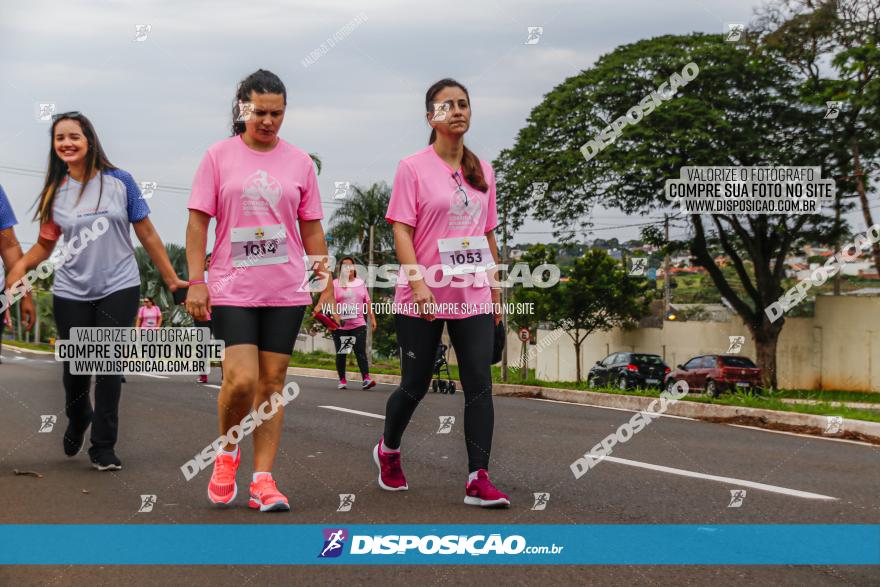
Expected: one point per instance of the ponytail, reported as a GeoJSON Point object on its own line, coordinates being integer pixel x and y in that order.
{"type": "Point", "coordinates": [470, 163]}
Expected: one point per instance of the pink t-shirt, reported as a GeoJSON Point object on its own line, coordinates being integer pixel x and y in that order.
{"type": "Point", "coordinates": [149, 316]}
{"type": "Point", "coordinates": [351, 299]}
{"type": "Point", "coordinates": [426, 196]}
{"type": "Point", "coordinates": [257, 199]}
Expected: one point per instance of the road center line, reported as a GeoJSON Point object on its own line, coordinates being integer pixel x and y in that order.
{"type": "Point", "coordinates": [151, 375]}
{"type": "Point", "coordinates": [350, 411]}
{"type": "Point", "coordinates": [728, 480]}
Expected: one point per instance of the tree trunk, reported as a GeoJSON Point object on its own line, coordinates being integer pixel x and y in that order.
{"type": "Point", "coordinates": [577, 358]}
{"type": "Point", "coordinates": [766, 336]}
{"type": "Point", "coordinates": [863, 198]}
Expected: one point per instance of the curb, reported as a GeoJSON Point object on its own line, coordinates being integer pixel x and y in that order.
{"type": "Point", "coordinates": [24, 350]}
{"type": "Point", "coordinates": [772, 419]}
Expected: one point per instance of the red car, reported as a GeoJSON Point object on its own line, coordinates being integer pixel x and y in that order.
{"type": "Point", "coordinates": [717, 373]}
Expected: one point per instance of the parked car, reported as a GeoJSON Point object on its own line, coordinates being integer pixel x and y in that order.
{"type": "Point", "coordinates": [628, 370]}
{"type": "Point", "coordinates": [715, 374]}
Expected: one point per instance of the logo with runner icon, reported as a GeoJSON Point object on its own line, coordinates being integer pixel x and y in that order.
{"type": "Point", "coordinates": [334, 542]}
{"type": "Point", "coordinates": [260, 192]}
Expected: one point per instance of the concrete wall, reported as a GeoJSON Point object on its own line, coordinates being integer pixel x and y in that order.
{"type": "Point", "coordinates": [839, 348]}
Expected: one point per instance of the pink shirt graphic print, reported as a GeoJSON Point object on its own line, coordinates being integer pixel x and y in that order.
{"type": "Point", "coordinates": [257, 199]}
{"type": "Point", "coordinates": [451, 219]}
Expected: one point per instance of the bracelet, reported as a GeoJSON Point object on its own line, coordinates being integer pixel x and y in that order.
{"type": "Point", "coordinates": [197, 282]}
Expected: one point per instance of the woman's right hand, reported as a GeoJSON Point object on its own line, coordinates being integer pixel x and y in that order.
{"type": "Point", "coordinates": [198, 302]}
{"type": "Point", "coordinates": [423, 297]}
{"type": "Point", "coordinates": [15, 274]}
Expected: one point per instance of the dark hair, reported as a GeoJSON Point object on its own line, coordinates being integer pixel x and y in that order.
{"type": "Point", "coordinates": [470, 163]}
{"type": "Point", "coordinates": [149, 299]}
{"type": "Point", "coordinates": [339, 266]}
{"type": "Point", "coordinates": [57, 171]}
{"type": "Point", "coordinates": [261, 81]}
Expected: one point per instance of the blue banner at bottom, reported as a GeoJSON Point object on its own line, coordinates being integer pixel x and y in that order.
{"type": "Point", "coordinates": [520, 544]}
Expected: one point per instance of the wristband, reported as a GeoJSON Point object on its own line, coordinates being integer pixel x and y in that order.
{"type": "Point", "coordinates": [197, 282]}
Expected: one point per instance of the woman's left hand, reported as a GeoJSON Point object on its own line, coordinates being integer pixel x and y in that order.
{"type": "Point", "coordinates": [496, 304]}
{"type": "Point", "coordinates": [327, 300]}
{"type": "Point", "coordinates": [176, 283]}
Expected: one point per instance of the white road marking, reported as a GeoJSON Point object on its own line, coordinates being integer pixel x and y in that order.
{"type": "Point", "coordinates": [150, 375]}
{"type": "Point", "coordinates": [556, 401]}
{"type": "Point", "coordinates": [358, 412]}
{"type": "Point", "coordinates": [211, 385]}
{"type": "Point", "coordinates": [847, 440]}
{"type": "Point", "coordinates": [728, 480]}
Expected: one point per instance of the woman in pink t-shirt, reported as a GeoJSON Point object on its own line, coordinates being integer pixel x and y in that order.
{"type": "Point", "coordinates": [263, 194]}
{"type": "Point", "coordinates": [443, 210]}
{"type": "Point", "coordinates": [354, 306]}
{"type": "Point", "coordinates": [149, 315]}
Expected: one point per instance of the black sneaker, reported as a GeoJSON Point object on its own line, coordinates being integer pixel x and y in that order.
{"type": "Point", "coordinates": [72, 441]}
{"type": "Point", "coordinates": [106, 460]}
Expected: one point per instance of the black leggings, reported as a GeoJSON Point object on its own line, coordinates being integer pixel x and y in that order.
{"type": "Point", "coordinates": [472, 338]}
{"type": "Point", "coordinates": [360, 350]}
{"type": "Point", "coordinates": [117, 309]}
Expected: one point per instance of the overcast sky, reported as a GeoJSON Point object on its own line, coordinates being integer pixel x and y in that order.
{"type": "Point", "coordinates": [159, 103]}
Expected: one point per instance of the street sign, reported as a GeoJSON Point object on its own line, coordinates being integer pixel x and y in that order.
{"type": "Point", "coordinates": [524, 334]}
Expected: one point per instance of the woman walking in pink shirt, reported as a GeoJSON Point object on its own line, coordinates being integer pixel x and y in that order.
{"type": "Point", "coordinates": [354, 307]}
{"type": "Point", "coordinates": [149, 315]}
{"type": "Point", "coordinates": [263, 194]}
{"type": "Point", "coordinates": [443, 211]}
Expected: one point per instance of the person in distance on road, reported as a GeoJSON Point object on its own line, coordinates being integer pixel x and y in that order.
{"type": "Point", "coordinates": [352, 296]}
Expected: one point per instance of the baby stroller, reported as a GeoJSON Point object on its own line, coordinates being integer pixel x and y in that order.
{"type": "Point", "coordinates": [442, 385]}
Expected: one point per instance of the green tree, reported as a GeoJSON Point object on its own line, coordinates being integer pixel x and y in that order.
{"type": "Point", "coordinates": [812, 35]}
{"type": "Point", "coordinates": [742, 109]}
{"type": "Point", "coordinates": [597, 296]}
{"type": "Point", "coordinates": [350, 224]}
{"type": "Point", "coordinates": [153, 286]}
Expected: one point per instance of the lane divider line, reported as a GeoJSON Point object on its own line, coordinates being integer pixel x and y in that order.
{"type": "Point", "coordinates": [728, 480]}
{"type": "Point", "coordinates": [350, 411]}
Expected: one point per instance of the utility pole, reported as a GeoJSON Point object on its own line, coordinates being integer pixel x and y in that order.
{"type": "Point", "coordinates": [504, 289]}
{"type": "Point", "coordinates": [666, 276]}
{"type": "Point", "coordinates": [370, 291]}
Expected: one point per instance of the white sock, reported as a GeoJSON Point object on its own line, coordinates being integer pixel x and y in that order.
{"type": "Point", "coordinates": [386, 449]}
{"type": "Point", "coordinates": [472, 476]}
{"type": "Point", "coordinates": [231, 453]}
{"type": "Point", "coordinates": [269, 473]}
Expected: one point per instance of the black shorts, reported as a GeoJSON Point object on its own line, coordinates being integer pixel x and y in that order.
{"type": "Point", "coordinates": [271, 328]}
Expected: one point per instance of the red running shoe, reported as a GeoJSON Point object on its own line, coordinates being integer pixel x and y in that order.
{"type": "Point", "coordinates": [481, 492]}
{"type": "Point", "coordinates": [266, 497]}
{"type": "Point", "coordinates": [222, 488]}
{"type": "Point", "coordinates": [390, 473]}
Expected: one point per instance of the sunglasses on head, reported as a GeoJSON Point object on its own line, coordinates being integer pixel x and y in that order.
{"type": "Point", "coordinates": [71, 114]}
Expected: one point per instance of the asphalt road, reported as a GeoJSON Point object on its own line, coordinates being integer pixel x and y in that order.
{"type": "Point", "coordinates": [658, 477]}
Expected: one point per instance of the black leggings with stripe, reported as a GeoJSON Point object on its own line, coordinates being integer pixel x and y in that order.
{"type": "Point", "coordinates": [472, 338]}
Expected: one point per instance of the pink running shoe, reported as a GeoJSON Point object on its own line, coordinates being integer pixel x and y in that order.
{"type": "Point", "coordinates": [368, 383]}
{"type": "Point", "coordinates": [390, 473]}
{"type": "Point", "coordinates": [222, 488]}
{"type": "Point", "coordinates": [203, 378]}
{"type": "Point", "coordinates": [481, 492]}
{"type": "Point", "coordinates": [265, 495]}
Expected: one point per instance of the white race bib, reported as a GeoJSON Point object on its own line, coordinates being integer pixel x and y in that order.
{"type": "Point", "coordinates": [259, 245]}
{"type": "Point", "coordinates": [465, 254]}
